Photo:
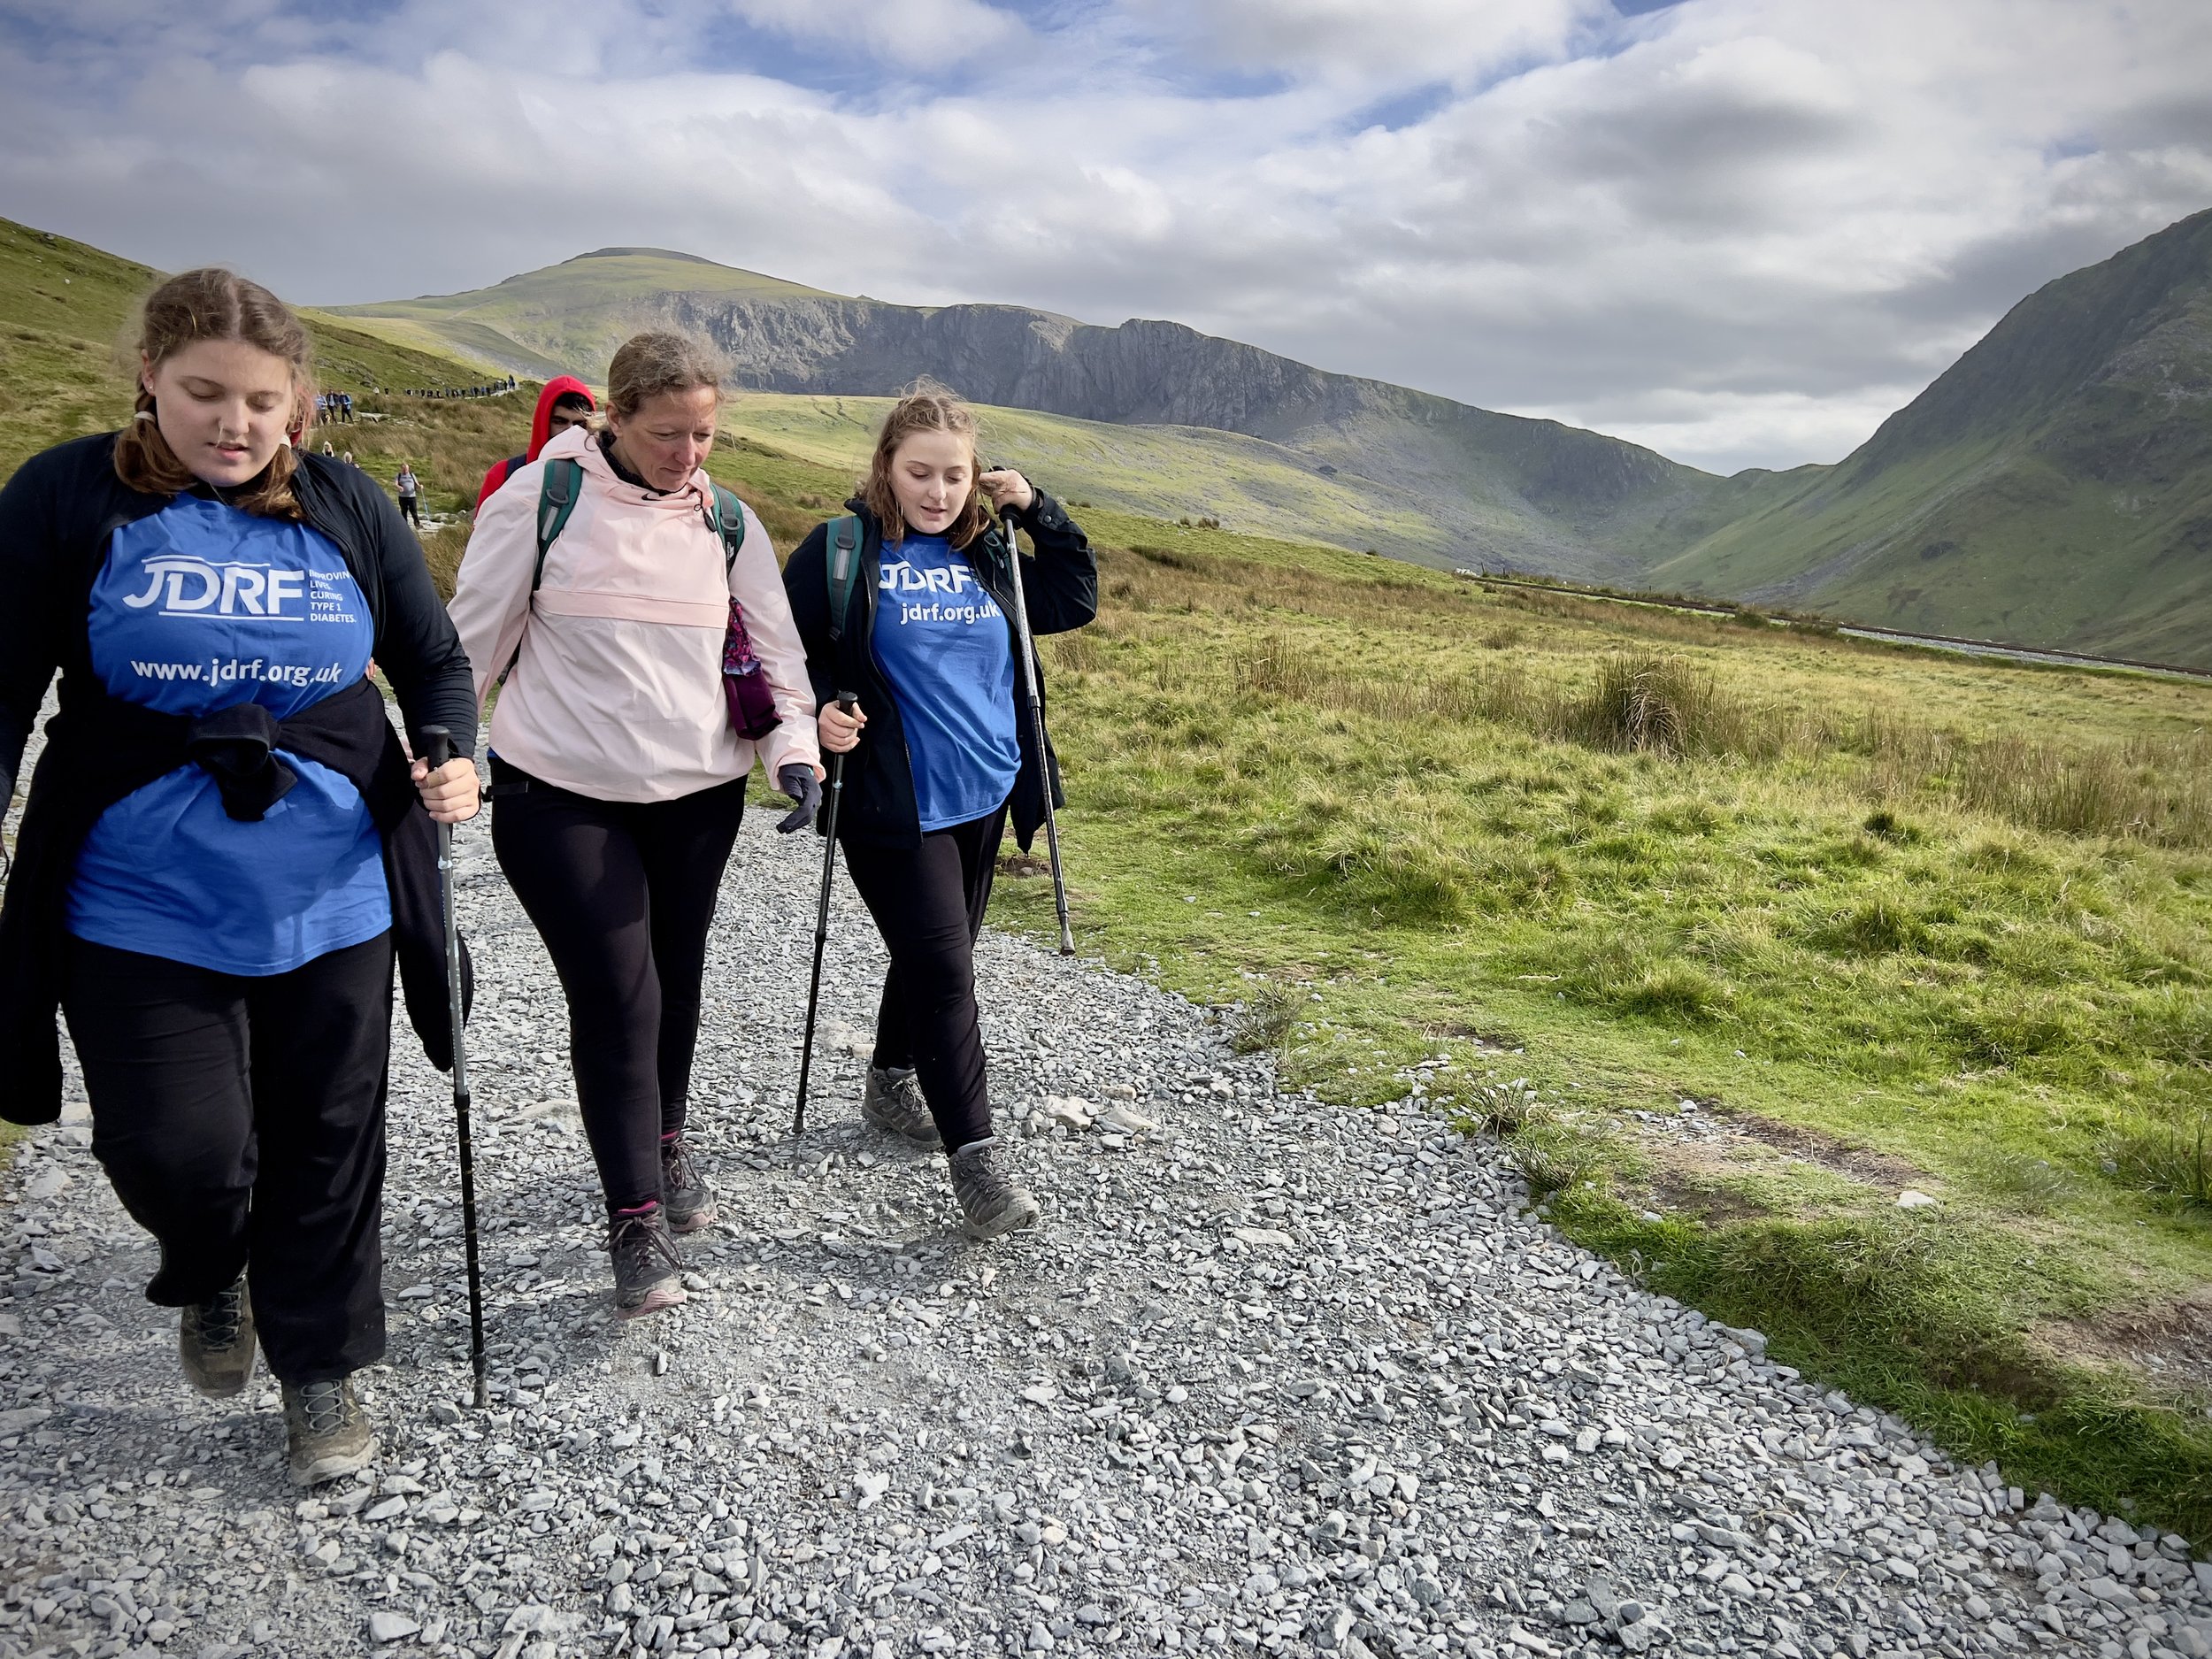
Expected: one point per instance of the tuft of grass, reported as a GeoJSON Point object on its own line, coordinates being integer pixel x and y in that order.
{"type": "Point", "coordinates": [1265, 1019]}
{"type": "Point", "coordinates": [2169, 1161]}
{"type": "Point", "coordinates": [1657, 705]}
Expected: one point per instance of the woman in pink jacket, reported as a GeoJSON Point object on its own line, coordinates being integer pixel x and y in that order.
{"type": "Point", "coordinates": [618, 770]}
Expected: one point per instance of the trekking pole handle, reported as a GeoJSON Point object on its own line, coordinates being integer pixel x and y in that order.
{"type": "Point", "coordinates": [437, 746]}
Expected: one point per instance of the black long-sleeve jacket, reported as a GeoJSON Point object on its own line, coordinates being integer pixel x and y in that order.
{"type": "Point", "coordinates": [1060, 581]}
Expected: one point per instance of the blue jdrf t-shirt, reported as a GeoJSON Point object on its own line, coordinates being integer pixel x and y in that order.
{"type": "Point", "coordinates": [942, 642]}
{"type": "Point", "coordinates": [199, 608]}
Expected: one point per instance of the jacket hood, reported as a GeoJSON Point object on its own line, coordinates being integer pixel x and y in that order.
{"type": "Point", "coordinates": [556, 388]}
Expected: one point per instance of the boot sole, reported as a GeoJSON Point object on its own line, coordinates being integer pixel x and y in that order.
{"type": "Point", "coordinates": [656, 1299]}
{"type": "Point", "coordinates": [1013, 1218]}
{"type": "Point", "coordinates": [219, 1388]}
{"type": "Point", "coordinates": [919, 1137]}
{"type": "Point", "coordinates": [333, 1466]}
{"type": "Point", "coordinates": [695, 1222]}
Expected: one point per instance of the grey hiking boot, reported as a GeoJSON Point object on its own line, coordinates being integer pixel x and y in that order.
{"type": "Point", "coordinates": [647, 1272]}
{"type": "Point", "coordinates": [215, 1342]}
{"type": "Point", "coordinates": [991, 1200]}
{"type": "Point", "coordinates": [892, 1103]}
{"type": "Point", "coordinates": [328, 1432]}
{"type": "Point", "coordinates": [686, 1198]}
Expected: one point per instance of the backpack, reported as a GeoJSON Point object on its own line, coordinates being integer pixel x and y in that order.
{"type": "Point", "coordinates": [745, 687]}
{"type": "Point", "coordinates": [564, 483]}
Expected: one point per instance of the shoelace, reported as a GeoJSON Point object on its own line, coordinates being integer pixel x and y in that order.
{"type": "Point", "coordinates": [635, 1233]}
{"type": "Point", "coordinates": [679, 1173]}
{"type": "Point", "coordinates": [982, 1176]}
{"type": "Point", "coordinates": [323, 1407]}
{"type": "Point", "coordinates": [223, 1317]}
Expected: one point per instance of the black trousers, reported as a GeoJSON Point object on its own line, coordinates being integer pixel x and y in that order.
{"type": "Point", "coordinates": [241, 1121]}
{"type": "Point", "coordinates": [407, 511]}
{"type": "Point", "coordinates": [928, 903]}
{"type": "Point", "coordinates": [622, 894]}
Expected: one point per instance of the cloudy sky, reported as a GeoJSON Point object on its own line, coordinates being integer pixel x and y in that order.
{"type": "Point", "coordinates": [1741, 231]}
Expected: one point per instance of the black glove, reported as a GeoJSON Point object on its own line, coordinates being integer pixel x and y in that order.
{"type": "Point", "coordinates": [799, 782]}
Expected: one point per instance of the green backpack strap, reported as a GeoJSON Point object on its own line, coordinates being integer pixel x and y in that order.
{"type": "Point", "coordinates": [842, 566]}
{"type": "Point", "coordinates": [557, 490]}
{"type": "Point", "coordinates": [726, 515]}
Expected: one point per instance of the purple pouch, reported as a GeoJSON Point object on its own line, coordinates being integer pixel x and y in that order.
{"type": "Point", "coordinates": [745, 683]}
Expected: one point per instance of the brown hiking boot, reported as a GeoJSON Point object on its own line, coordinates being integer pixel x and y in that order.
{"type": "Point", "coordinates": [328, 1431]}
{"type": "Point", "coordinates": [215, 1342]}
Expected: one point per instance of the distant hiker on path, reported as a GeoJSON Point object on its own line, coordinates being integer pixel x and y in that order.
{"type": "Point", "coordinates": [566, 402]}
{"type": "Point", "coordinates": [409, 486]}
{"type": "Point", "coordinates": [225, 845]}
{"type": "Point", "coordinates": [618, 767]}
{"type": "Point", "coordinates": [940, 753]}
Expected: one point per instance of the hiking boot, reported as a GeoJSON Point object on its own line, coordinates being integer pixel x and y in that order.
{"type": "Point", "coordinates": [647, 1272]}
{"type": "Point", "coordinates": [327, 1430]}
{"type": "Point", "coordinates": [215, 1341]}
{"type": "Point", "coordinates": [991, 1200]}
{"type": "Point", "coordinates": [686, 1198]}
{"type": "Point", "coordinates": [892, 1103]}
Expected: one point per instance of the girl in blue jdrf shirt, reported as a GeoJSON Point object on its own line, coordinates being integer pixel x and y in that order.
{"type": "Point", "coordinates": [219, 838]}
{"type": "Point", "coordinates": [939, 754]}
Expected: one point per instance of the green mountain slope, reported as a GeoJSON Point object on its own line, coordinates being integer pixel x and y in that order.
{"type": "Point", "coordinates": [66, 312]}
{"type": "Point", "coordinates": [2054, 486]}
{"type": "Point", "coordinates": [1380, 465]}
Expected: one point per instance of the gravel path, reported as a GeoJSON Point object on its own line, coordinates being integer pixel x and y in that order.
{"type": "Point", "coordinates": [1274, 1377]}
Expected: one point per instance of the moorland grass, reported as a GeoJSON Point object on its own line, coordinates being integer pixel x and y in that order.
{"type": "Point", "coordinates": [1895, 919]}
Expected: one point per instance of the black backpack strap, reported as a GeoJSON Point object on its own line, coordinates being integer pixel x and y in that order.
{"type": "Point", "coordinates": [726, 515]}
{"type": "Point", "coordinates": [841, 564]}
{"type": "Point", "coordinates": [558, 492]}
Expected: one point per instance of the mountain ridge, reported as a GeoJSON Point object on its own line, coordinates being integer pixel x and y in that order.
{"type": "Point", "coordinates": [2054, 486]}
{"type": "Point", "coordinates": [1501, 489]}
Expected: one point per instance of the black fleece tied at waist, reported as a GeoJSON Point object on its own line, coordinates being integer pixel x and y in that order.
{"type": "Point", "coordinates": [99, 750]}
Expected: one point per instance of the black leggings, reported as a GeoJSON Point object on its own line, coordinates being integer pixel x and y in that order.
{"type": "Point", "coordinates": [622, 894]}
{"type": "Point", "coordinates": [241, 1121]}
{"type": "Point", "coordinates": [928, 903]}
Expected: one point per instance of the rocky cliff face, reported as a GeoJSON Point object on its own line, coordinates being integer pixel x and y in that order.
{"type": "Point", "coordinates": [1151, 373]}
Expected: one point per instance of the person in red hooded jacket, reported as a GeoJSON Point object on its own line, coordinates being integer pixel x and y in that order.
{"type": "Point", "coordinates": [566, 402]}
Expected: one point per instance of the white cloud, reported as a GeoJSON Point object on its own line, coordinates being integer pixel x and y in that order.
{"type": "Point", "coordinates": [916, 34]}
{"type": "Point", "coordinates": [1740, 230]}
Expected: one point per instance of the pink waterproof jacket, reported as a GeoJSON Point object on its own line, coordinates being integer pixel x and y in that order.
{"type": "Point", "coordinates": [616, 689]}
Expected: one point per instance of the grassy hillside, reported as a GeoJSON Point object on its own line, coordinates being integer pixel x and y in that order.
{"type": "Point", "coordinates": [545, 322]}
{"type": "Point", "coordinates": [2052, 488]}
{"type": "Point", "coordinates": [65, 311]}
{"type": "Point", "coordinates": [1884, 920]}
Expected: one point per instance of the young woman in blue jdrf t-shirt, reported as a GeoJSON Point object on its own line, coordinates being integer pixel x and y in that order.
{"type": "Point", "coordinates": [939, 755]}
{"type": "Point", "coordinates": [222, 848]}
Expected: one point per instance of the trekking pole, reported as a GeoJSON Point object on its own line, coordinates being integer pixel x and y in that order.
{"type": "Point", "coordinates": [1037, 734]}
{"type": "Point", "coordinates": [438, 743]}
{"type": "Point", "coordinates": [846, 700]}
